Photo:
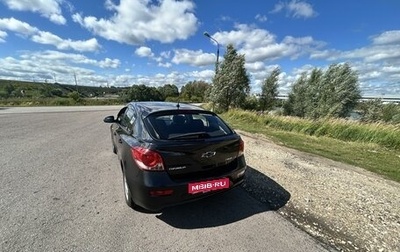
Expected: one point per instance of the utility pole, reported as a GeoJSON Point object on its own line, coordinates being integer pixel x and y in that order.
{"type": "Point", "coordinates": [76, 83]}
{"type": "Point", "coordinates": [213, 39]}
{"type": "Point", "coordinates": [217, 62]}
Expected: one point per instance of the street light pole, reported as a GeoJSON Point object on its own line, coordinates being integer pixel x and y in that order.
{"type": "Point", "coordinates": [213, 39]}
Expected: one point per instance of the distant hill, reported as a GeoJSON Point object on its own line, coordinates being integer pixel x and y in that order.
{"type": "Point", "coordinates": [13, 88]}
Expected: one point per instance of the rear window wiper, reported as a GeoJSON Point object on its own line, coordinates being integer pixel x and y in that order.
{"type": "Point", "coordinates": [192, 135]}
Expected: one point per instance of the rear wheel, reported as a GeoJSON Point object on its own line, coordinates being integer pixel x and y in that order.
{"type": "Point", "coordinates": [127, 193]}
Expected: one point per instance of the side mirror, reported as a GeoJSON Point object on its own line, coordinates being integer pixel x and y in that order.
{"type": "Point", "coordinates": [109, 119]}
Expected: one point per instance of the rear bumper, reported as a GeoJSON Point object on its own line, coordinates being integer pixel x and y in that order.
{"type": "Point", "coordinates": [146, 183]}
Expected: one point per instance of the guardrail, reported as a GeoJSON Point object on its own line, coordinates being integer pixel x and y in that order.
{"type": "Point", "coordinates": [364, 98]}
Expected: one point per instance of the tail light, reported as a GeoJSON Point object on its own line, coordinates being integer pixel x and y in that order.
{"type": "Point", "coordinates": [241, 148]}
{"type": "Point", "coordinates": [147, 159]}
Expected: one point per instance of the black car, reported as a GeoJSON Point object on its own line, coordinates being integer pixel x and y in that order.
{"type": "Point", "coordinates": [172, 153]}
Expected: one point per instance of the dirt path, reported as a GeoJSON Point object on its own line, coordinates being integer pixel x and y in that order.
{"type": "Point", "coordinates": [345, 206]}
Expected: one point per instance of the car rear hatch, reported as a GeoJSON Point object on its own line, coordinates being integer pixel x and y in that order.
{"type": "Point", "coordinates": [191, 160]}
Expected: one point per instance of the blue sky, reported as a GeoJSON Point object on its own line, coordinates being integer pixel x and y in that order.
{"type": "Point", "coordinates": [120, 43]}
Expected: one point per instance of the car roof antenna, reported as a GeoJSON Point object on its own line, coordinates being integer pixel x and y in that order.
{"type": "Point", "coordinates": [177, 105]}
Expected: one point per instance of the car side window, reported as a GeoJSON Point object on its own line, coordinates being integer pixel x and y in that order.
{"type": "Point", "coordinates": [129, 118]}
{"type": "Point", "coordinates": [120, 115]}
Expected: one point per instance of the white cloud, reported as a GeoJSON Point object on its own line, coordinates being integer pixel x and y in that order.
{"type": "Point", "coordinates": [278, 7]}
{"type": "Point", "coordinates": [109, 63]}
{"type": "Point", "coordinates": [391, 69]}
{"type": "Point", "coordinates": [46, 38]}
{"type": "Point", "coordinates": [193, 58]}
{"type": "Point", "coordinates": [268, 52]}
{"type": "Point", "coordinates": [31, 69]}
{"type": "Point", "coordinates": [134, 22]}
{"type": "Point", "coordinates": [144, 51]}
{"type": "Point", "coordinates": [300, 9]}
{"type": "Point", "coordinates": [387, 37]}
{"type": "Point", "coordinates": [259, 44]}
{"type": "Point", "coordinates": [17, 26]}
{"type": "Point", "coordinates": [158, 59]}
{"type": "Point", "coordinates": [255, 66]}
{"type": "Point", "coordinates": [45, 65]}
{"type": "Point", "coordinates": [385, 47]}
{"type": "Point", "coordinates": [205, 75]}
{"type": "Point", "coordinates": [246, 36]}
{"type": "Point", "coordinates": [261, 18]}
{"type": "Point", "coordinates": [166, 64]}
{"type": "Point", "coordinates": [3, 36]}
{"type": "Point", "coordinates": [324, 54]}
{"type": "Point", "coordinates": [51, 57]}
{"type": "Point", "coordinates": [50, 9]}
{"type": "Point", "coordinates": [308, 40]}
{"type": "Point", "coordinates": [166, 54]}
{"type": "Point", "coordinates": [296, 9]}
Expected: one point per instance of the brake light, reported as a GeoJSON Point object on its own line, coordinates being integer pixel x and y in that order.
{"type": "Point", "coordinates": [241, 148]}
{"type": "Point", "coordinates": [147, 159]}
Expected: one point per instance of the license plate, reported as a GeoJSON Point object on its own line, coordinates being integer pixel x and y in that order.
{"type": "Point", "coordinates": [206, 186]}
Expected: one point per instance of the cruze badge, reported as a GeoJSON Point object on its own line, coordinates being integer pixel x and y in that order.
{"type": "Point", "coordinates": [208, 154]}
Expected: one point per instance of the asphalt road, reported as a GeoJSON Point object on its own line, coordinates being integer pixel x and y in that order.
{"type": "Point", "coordinates": [61, 190]}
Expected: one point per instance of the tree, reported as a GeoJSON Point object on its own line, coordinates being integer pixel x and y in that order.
{"type": "Point", "coordinates": [251, 103]}
{"type": "Point", "coordinates": [296, 104]}
{"type": "Point", "coordinates": [168, 90]}
{"type": "Point", "coordinates": [9, 90]}
{"type": "Point", "coordinates": [231, 83]}
{"type": "Point", "coordinates": [194, 91]}
{"type": "Point", "coordinates": [376, 110]}
{"type": "Point", "coordinates": [143, 93]}
{"type": "Point", "coordinates": [313, 93]}
{"type": "Point", "coordinates": [333, 93]}
{"type": "Point", "coordinates": [340, 91]}
{"type": "Point", "coordinates": [56, 92]}
{"type": "Point", "coordinates": [45, 90]}
{"type": "Point", "coordinates": [269, 90]}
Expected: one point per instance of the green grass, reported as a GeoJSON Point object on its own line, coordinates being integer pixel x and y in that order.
{"type": "Point", "coordinates": [374, 147]}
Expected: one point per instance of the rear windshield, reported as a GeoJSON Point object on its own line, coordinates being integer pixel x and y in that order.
{"type": "Point", "coordinates": [187, 126]}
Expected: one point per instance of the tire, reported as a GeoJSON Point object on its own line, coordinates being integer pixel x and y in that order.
{"type": "Point", "coordinates": [127, 193]}
{"type": "Point", "coordinates": [114, 149]}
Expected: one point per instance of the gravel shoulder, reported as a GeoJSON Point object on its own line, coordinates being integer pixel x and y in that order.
{"type": "Point", "coordinates": [346, 207]}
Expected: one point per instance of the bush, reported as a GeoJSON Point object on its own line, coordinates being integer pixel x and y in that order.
{"type": "Point", "coordinates": [251, 103]}
{"type": "Point", "coordinates": [75, 96]}
{"type": "Point", "coordinates": [61, 102]}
